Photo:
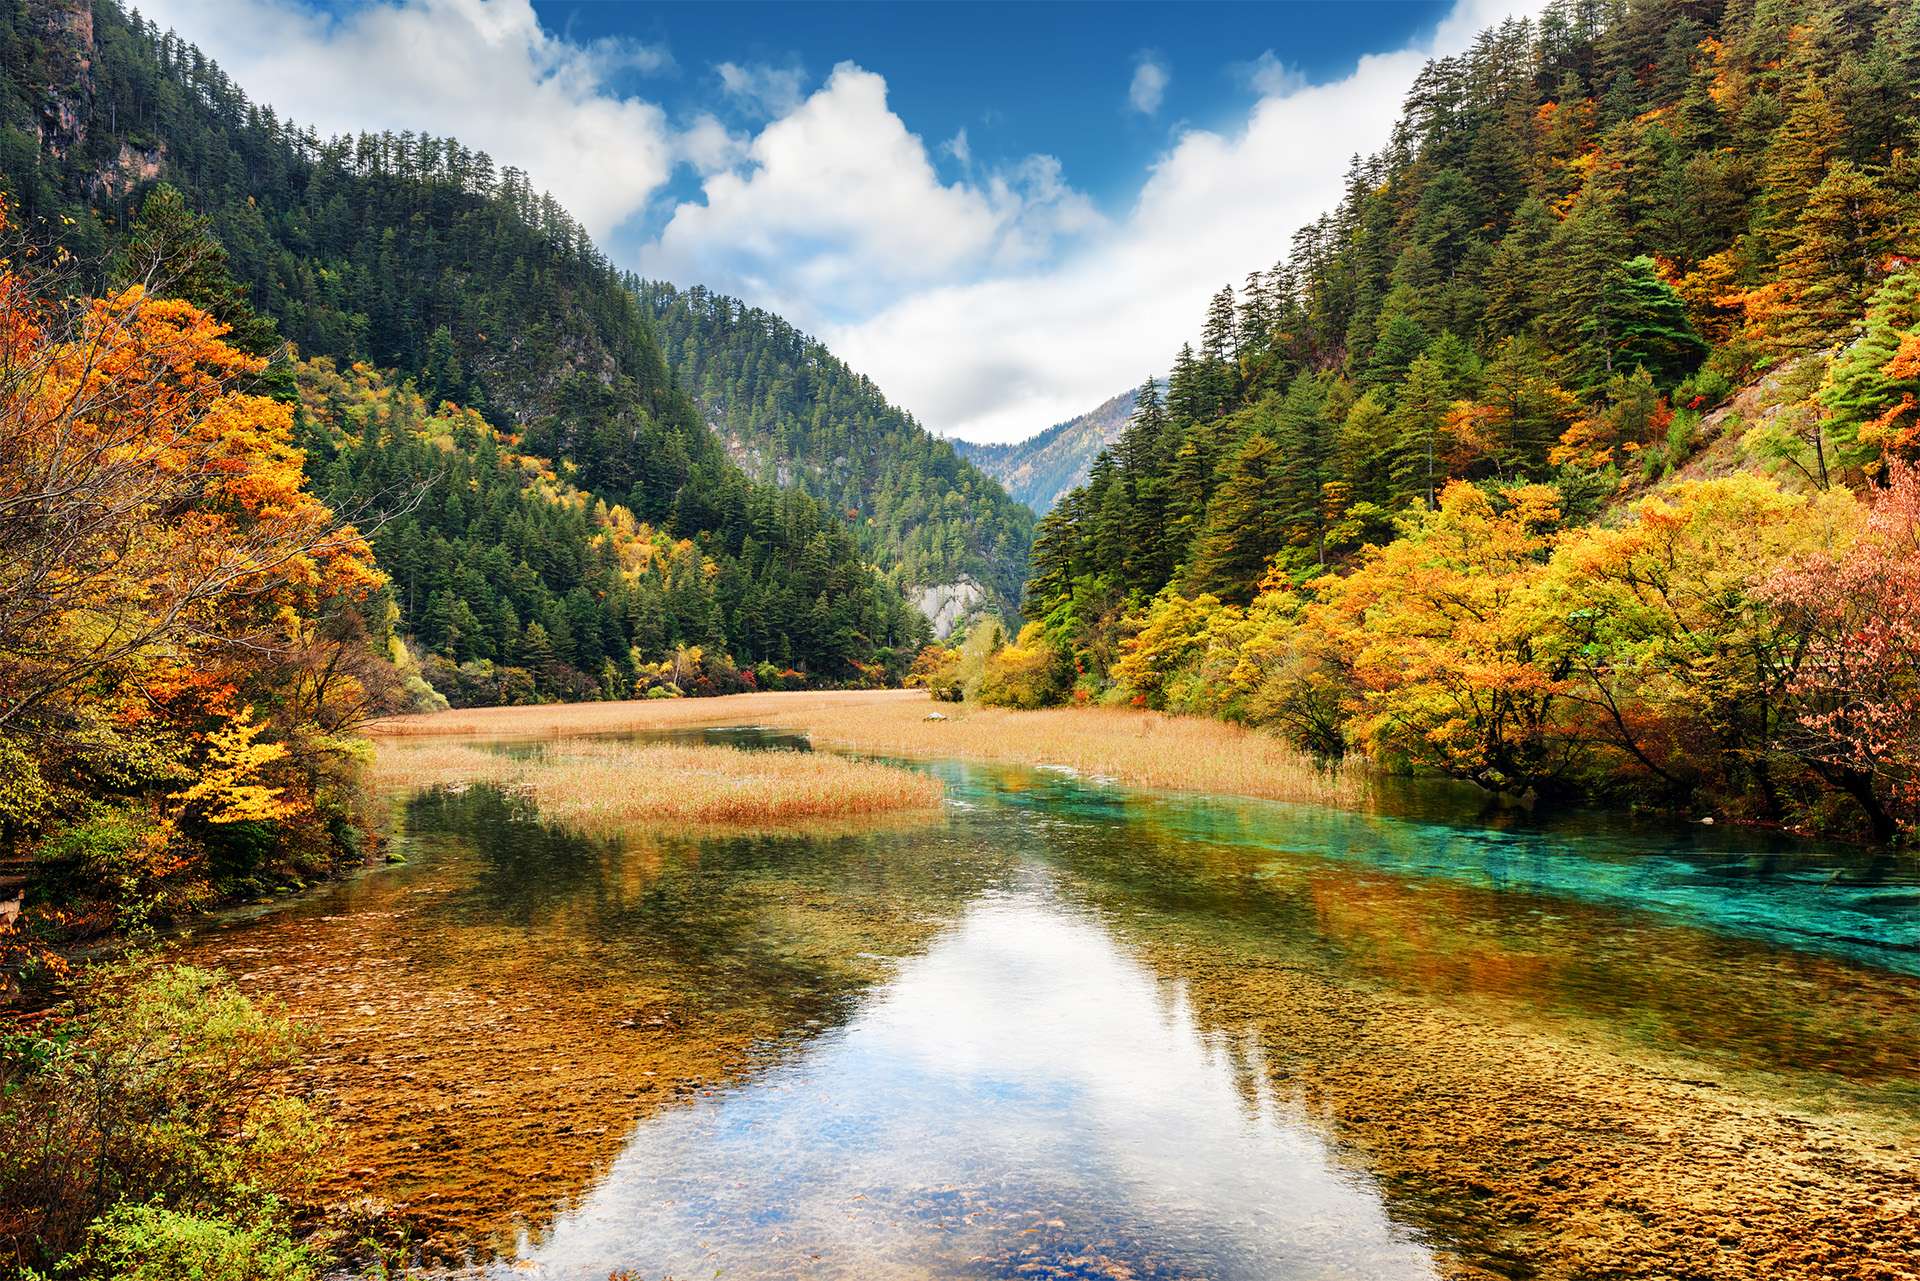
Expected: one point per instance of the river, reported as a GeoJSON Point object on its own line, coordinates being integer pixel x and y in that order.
{"type": "Point", "coordinates": [1068, 1030]}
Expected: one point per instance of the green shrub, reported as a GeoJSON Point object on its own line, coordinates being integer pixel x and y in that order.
{"type": "Point", "coordinates": [108, 865]}
{"type": "Point", "coordinates": [152, 1243]}
{"type": "Point", "coordinates": [157, 1092]}
{"type": "Point", "coordinates": [1703, 390]}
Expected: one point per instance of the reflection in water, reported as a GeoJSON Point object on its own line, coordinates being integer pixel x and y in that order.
{"type": "Point", "coordinates": [1023, 1096]}
{"type": "Point", "coordinates": [1074, 1031]}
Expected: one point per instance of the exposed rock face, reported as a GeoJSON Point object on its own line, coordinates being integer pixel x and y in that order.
{"type": "Point", "coordinates": [947, 605]}
{"type": "Point", "coordinates": [133, 167]}
{"type": "Point", "coordinates": [66, 117]}
{"type": "Point", "coordinates": [67, 27]}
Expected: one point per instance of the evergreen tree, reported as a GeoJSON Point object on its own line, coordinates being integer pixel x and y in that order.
{"type": "Point", "coordinates": [1839, 247]}
{"type": "Point", "coordinates": [1642, 322]}
{"type": "Point", "coordinates": [1245, 526]}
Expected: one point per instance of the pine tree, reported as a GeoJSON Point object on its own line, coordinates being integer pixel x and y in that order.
{"type": "Point", "coordinates": [1642, 322]}
{"type": "Point", "coordinates": [1304, 438]}
{"type": "Point", "coordinates": [1401, 340]}
{"type": "Point", "coordinates": [1220, 335]}
{"type": "Point", "coordinates": [1803, 147]}
{"type": "Point", "coordinates": [1244, 524]}
{"type": "Point", "coordinates": [1190, 392]}
{"type": "Point", "coordinates": [1865, 384]}
{"type": "Point", "coordinates": [1584, 256]}
{"type": "Point", "coordinates": [174, 253]}
{"type": "Point", "coordinates": [1840, 244]}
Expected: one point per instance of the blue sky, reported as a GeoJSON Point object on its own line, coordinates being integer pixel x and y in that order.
{"type": "Point", "coordinates": [1003, 213]}
{"type": "Point", "coordinates": [1019, 79]}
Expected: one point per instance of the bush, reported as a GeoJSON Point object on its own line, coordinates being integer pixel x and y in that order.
{"type": "Point", "coordinates": [1703, 390]}
{"type": "Point", "coordinates": [155, 1094]}
{"type": "Point", "coordinates": [985, 637]}
{"type": "Point", "coordinates": [117, 869]}
{"type": "Point", "coordinates": [937, 670]}
{"type": "Point", "coordinates": [152, 1243]}
{"type": "Point", "coordinates": [482, 683]}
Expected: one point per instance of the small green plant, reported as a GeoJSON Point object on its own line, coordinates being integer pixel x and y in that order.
{"type": "Point", "coordinates": [153, 1243]}
{"type": "Point", "coordinates": [1702, 391]}
{"type": "Point", "coordinates": [156, 1093]}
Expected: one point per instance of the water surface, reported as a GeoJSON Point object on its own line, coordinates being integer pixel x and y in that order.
{"type": "Point", "coordinates": [1066, 1030]}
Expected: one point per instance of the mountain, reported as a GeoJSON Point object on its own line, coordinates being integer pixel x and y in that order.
{"type": "Point", "coordinates": [1039, 469]}
{"type": "Point", "coordinates": [415, 255]}
{"type": "Point", "coordinates": [792, 413]}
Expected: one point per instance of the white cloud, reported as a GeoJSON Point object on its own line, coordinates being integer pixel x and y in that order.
{"type": "Point", "coordinates": [480, 70]}
{"type": "Point", "coordinates": [710, 146]}
{"type": "Point", "coordinates": [990, 307]}
{"type": "Point", "coordinates": [959, 148]}
{"type": "Point", "coordinates": [1001, 357]}
{"type": "Point", "coordinates": [1149, 85]}
{"type": "Point", "coordinates": [765, 90]}
{"type": "Point", "coordinates": [1269, 77]}
{"type": "Point", "coordinates": [837, 211]}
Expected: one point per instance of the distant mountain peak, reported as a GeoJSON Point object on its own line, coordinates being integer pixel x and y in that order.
{"type": "Point", "coordinates": [1046, 465]}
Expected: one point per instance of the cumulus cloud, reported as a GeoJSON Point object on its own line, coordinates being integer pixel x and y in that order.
{"type": "Point", "coordinates": [836, 211]}
{"type": "Point", "coordinates": [1149, 85]}
{"type": "Point", "coordinates": [480, 70]}
{"type": "Point", "coordinates": [710, 146]}
{"type": "Point", "coordinates": [991, 306]}
{"type": "Point", "coordinates": [1001, 357]}
{"type": "Point", "coordinates": [761, 89]}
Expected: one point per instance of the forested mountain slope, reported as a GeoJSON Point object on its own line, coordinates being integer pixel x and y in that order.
{"type": "Point", "coordinates": [1411, 494]}
{"type": "Point", "coordinates": [417, 255]}
{"type": "Point", "coordinates": [1039, 469]}
{"type": "Point", "coordinates": [792, 412]}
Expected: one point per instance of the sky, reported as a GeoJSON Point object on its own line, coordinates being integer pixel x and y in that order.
{"type": "Point", "coordinates": [1002, 213]}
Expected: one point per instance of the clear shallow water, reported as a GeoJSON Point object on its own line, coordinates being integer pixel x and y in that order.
{"type": "Point", "coordinates": [1068, 1031]}
{"type": "Point", "coordinates": [1022, 1093]}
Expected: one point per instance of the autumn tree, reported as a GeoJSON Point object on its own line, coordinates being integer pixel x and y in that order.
{"type": "Point", "coordinates": [1872, 394]}
{"type": "Point", "coordinates": [150, 511]}
{"type": "Point", "coordinates": [1433, 630]}
{"type": "Point", "coordinates": [1854, 693]}
{"type": "Point", "coordinates": [1661, 630]}
{"type": "Point", "coordinates": [1840, 244]}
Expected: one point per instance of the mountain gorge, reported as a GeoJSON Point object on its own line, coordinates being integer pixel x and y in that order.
{"type": "Point", "coordinates": [511, 767]}
{"type": "Point", "coordinates": [792, 413]}
{"type": "Point", "coordinates": [1039, 469]}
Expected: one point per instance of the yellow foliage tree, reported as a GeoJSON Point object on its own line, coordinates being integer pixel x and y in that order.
{"type": "Point", "coordinates": [230, 789]}
{"type": "Point", "coordinates": [1433, 630]}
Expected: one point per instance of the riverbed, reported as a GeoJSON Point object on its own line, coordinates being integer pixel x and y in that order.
{"type": "Point", "coordinates": [1066, 1029]}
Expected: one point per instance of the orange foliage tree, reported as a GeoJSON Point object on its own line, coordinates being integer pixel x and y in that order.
{"type": "Point", "coordinates": [1434, 630]}
{"type": "Point", "coordinates": [153, 514]}
{"type": "Point", "coordinates": [164, 575]}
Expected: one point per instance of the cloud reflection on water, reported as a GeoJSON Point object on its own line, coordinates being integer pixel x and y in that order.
{"type": "Point", "coordinates": [1024, 1092]}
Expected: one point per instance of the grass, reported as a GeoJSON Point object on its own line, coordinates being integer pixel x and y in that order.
{"type": "Point", "coordinates": [1133, 747]}
{"type": "Point", "coordinates": [601, 785]}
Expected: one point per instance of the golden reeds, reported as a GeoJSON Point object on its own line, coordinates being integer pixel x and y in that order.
{"type": "Point", "coordinates": [609, 785]}
{"type": "Point", "coordinates": [1134, 747]}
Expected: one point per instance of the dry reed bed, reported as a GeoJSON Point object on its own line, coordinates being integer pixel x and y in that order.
{"type": "Point", "coordinates": [1134, 747]}
{"type": "Point", "coordinates": [602, 785]}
